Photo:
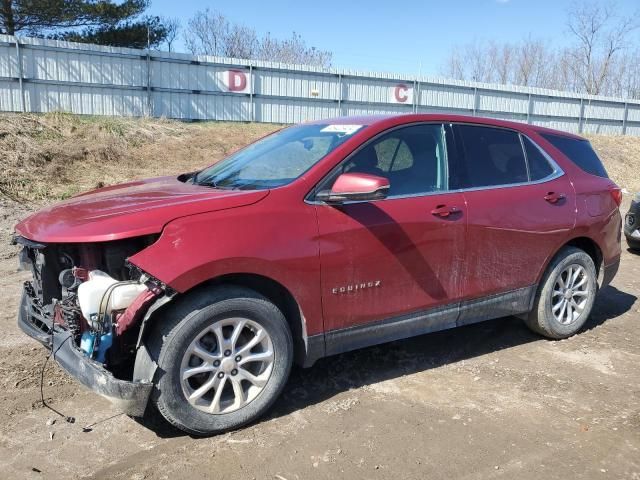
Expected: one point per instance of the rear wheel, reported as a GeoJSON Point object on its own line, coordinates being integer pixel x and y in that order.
{"type": "Point", "coordinates": [223, 358]}
{"type": "Point", "coordinates": [565, 297]}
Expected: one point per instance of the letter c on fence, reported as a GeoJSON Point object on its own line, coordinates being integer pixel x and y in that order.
{"type": "Point", "coordinates": [237, 81]}
{"type": "Point", "coordinates": [400, 93]}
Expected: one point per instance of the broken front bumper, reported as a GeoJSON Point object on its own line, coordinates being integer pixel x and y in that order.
{"type": "Point", "coordinates": [129, 397]}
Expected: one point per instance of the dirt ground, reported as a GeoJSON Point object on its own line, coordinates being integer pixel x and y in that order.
{"type": "Point", "coordinates": [484, 401]}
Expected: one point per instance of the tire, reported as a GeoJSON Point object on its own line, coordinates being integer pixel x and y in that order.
{"type": "Point", "coordinates": [542, 319]}
{"type": "Point", "coordinates": [178, 345]}
{"type": "Point", "coordinates": [634, 245]}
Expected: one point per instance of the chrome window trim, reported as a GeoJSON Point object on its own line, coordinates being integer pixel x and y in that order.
{"type": "Point", "coordinates": [557, 170]}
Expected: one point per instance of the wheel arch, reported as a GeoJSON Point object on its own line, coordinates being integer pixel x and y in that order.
{"type": "Point", "coordinates": [586, 244]}
{"type": "Point", "coordinates": [305, 351]}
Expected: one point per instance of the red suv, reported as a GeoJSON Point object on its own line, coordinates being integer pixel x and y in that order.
{"type": "Point", "coordinates": [200, 291]}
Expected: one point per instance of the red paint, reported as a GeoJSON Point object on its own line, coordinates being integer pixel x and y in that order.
{"type": "Point", "coordinates": [237, 81]}
{"type": "Point", "coordinates": [512, 232]}
{"type": "Point", "coordinates": [415, 256]}
{"type": "Point", "coordinates": [128, 210]}
{"type": "Point", "coordinates": [358, 182]}
{"type": "Point", "coordinates": [425, 251]}
{"type": "Point", "coordinates": [616, 194]}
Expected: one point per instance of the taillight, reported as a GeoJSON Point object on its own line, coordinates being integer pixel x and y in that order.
{"type": "Point", "coordinates": [616, 193]}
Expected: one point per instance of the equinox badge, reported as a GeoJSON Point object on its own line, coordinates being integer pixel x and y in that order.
{"type": "Point", "coordinates": [356, 287]}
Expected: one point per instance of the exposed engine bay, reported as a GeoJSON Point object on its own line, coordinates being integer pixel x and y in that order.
{"type": "Point", "coordinates": [91, 291]}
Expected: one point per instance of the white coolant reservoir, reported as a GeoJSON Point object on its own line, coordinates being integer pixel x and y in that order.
{"type": "Point", "coordinates": [124, 295]}
{"type": "Point", "coordinates": [91, 293]}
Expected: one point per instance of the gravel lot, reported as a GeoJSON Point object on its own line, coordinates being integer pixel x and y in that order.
{"type": "Point", "coordinates": [484, 401]}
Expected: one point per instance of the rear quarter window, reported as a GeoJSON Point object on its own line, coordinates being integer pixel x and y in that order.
{"type": "Point", "coordinates": [579, 152]}
{"type": "Point", "coordinates": [539, 167]}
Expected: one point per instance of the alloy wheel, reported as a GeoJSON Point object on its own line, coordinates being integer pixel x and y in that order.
{"type": "Point", "coordinates": [227, 365]}
{"type": "Point", "coordinates": [570, 294]}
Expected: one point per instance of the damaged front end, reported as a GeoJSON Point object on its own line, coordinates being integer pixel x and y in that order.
{"type": "Point", "coordinates": [88, 305]}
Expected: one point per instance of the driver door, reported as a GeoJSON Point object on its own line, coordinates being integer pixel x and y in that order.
{"type": "Point", "coordinates": [399, 256]}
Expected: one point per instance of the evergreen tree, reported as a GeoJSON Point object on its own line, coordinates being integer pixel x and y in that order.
{"type": "Point", "coordinates": [95, 21]}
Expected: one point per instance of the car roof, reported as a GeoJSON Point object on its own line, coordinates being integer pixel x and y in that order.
{"type": "Point", "coordinates": [399, 119]}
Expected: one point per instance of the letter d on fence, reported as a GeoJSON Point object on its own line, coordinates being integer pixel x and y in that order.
{"type": "Point", "coordinates": [237, 81]}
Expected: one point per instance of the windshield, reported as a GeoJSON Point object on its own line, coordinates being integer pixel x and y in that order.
{"type": "Point", "coordinates": [277, 159]}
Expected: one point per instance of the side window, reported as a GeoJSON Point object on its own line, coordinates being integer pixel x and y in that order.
{"type": "Point", "coordinates": [412, 158]}
{"type": "Point", "coordinates": [487, 157]}
{"type": "Point", "coordinates": [539, 167]}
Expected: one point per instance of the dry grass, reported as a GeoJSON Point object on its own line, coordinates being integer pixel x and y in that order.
{"type": "Point", "coordinates": [621, 157]}
{"type": "Point", "coordinates": [53, 156]}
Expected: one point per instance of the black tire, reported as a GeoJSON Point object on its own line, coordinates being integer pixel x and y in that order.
{"type": "Point", "coordinates": [634, 245]}
{"type": "Point", "coordinates": [541, 319]}
{"type": "Point", "coordinates": [178, 327]}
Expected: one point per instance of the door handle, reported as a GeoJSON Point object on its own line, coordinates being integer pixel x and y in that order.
{"type": "Point", "coordinates": [553, 197]}
{"type": "Point", "coordinates": [444, 211]}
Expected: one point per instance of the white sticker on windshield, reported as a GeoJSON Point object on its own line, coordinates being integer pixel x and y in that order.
{"type": "Point", "coordinates": [345, 129]}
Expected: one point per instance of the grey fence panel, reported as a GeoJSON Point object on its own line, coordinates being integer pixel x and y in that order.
{"type": "Point", "coordinates": [10, 95]}
{"type": "Point", "coordinates": [602, 127]}
{"type": "Point", "coordinates": [8, 61]}
{"type": "Point", "coordinates": [554, 106]}
{"type": "Point", "coordinates": [559, 124]}
{"type": "Point", "coordinates": [38, 75]}
{"type": "Point", "coordinates": [633, 130]}
{"type": "Point", "coordinates": [46, 97]}
{"type": "Point", "coordinates": [440, 96]}
{"type": "Point", "coordinates": [189, 106]}
{"type": "Point", "coordinates": [634, 114]}
{"type": "Point", "coordinates": [506, 102]}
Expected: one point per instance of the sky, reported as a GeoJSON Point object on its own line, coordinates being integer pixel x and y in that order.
{"type": "Point", "coordinates": [404, 36]}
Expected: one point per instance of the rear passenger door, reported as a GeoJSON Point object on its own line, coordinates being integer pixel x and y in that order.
{"type": "Point", "coordinates": [520, 207]}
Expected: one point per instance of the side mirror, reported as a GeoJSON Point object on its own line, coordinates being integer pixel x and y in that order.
{"type": "Point", "coordinates": [355, 187]}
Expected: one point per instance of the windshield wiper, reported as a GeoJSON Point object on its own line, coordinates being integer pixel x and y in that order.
{"type": "Point", "coordinates": [208, 183]}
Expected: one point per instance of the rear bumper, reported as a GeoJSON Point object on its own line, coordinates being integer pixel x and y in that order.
{"type": "Point", "coordinates": [610, 272]}
{"type": "Point", "coordinates": [129, 397]}
{"type": "Point", "coordinates": [633, 237]}
{"type": "Point", "coordinates": [632, 225]}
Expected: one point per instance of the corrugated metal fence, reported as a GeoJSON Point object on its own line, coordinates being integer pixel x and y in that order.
{"type": "Point", "coordinates": [38, 75]}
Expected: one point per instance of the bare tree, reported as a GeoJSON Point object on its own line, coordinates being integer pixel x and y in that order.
{"type": "Point", "coordinates": [241, 42]}
{"type": "Point", "coordinates": [504, 57]}
{"type": "Point", "coordinates": [625, 78]}
{"type": "Point", "coordinates": [211, 33]}
{"type": "Point", "coordinates": [533, 63]}
{"type": "Point", "coordinates": [600, 62]}
{"type": "Point", "coordinates": [600, 35]}
{"type": "Point", "coordinates": [293, 50]}
{"type": "Point", "coordinates": [455, 65]}
{"type": "Point", "coordinates": [206, 33]}
{"type": "Point", "coordinates": [172, 26]}
{"type": "Point", "coordinates": [524, 63]}
{"type": "Point", "coordinates": [475, 61]}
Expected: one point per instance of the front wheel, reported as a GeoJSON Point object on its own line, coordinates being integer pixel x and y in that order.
{"type": "Point", "coordinates": [565, 297]}
{"type": "Point", "coordinates": [223, 358]}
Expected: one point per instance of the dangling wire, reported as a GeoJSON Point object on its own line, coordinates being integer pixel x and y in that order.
{"type": "Point", "coordinates": [53, 352]}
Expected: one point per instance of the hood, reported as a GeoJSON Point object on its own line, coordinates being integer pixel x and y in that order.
{"type": "Point", "coordinates": [128, 210]}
